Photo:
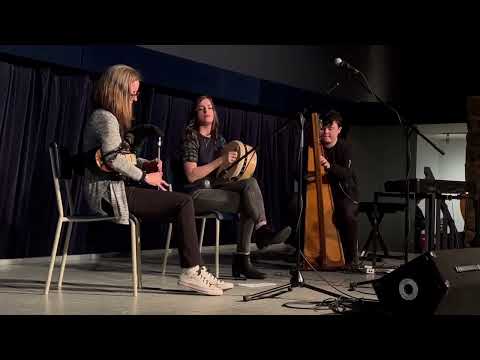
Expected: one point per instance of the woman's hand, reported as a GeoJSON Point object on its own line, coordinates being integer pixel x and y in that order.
{"type": "Point", "coordinates": [155, 179]}
{"type": "Point", "coordinates": [229, 157]}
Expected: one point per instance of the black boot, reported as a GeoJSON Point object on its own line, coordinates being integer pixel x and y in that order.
{"type": "Point", "coordinates": [265, 236]}
{"type": "Point", "coordinates": [241, 265]}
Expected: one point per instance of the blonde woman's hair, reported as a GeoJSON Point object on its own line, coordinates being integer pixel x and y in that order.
{"type": "Point", "coordinates": [112, 93]}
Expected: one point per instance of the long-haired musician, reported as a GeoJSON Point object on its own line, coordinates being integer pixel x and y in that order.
{"type": "Point", "coordinates": [106, 193]}
{"type": "Point", "coordinates": [202, 155]}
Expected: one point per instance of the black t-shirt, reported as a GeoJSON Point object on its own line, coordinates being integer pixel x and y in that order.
{"type": "Point", "coordinates": [201, 150]}
{"type": "Point", "coordinates": [207, 150]}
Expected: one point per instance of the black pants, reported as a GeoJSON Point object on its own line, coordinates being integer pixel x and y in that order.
{"type": "Point", "coordinates": [152, 205]}
{"type": "Point", "coordinates": [346, 221]}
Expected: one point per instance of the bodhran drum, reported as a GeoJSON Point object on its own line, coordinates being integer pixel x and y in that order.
{"type": "Point", "coordinates": [242, 169]}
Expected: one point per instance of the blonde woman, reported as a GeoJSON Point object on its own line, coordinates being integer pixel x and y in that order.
{"type": "Point", "coordinates": [106, 193]}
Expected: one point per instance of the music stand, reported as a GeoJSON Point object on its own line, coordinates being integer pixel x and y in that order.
{"type": "Point", "coordinates": [296, 279]}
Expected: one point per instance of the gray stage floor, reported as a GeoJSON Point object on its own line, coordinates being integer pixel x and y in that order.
{"type": "Point", "coordinates": [103, 287]}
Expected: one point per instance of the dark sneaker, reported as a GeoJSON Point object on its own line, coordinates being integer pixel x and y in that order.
{"type": "Point", "coordinates": [265, 236]}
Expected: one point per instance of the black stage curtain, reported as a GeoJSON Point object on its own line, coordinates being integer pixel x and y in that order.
{"type": "Point", "coordinates": [42, 103]}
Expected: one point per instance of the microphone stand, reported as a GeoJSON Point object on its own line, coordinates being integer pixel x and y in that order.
{"type": "Point", "coordinates": [158, 154]}
{"type": "Point", "coordinates": [296, 279]}
{"type": "Point", "coordinates": [408, 128]}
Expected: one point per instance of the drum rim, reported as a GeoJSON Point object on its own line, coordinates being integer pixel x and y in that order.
{"type": "Point", "coordinates": [238, 171]}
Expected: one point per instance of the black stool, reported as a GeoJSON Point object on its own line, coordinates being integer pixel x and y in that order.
{"type": "Point", "coordinates": [375, 212]}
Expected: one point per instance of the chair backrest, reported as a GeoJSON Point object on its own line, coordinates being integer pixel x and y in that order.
{"type": "Point", "coordinates": [61, 162]}
{"type": "Point", "coordinates": [62, 172]}
{"type": "Point", "coordinates": [174, 174]}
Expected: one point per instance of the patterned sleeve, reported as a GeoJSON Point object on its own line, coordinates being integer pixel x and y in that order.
{"type": "Point", "coordinates": [190, 149]}
{"type": "Point", "coordinates": [108, 131]}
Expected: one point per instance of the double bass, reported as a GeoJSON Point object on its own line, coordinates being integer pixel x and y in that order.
{"type": "Point", "coordinates": [322, 244]}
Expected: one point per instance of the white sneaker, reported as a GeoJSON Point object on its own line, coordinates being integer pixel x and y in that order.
{"type": "Point", "coordinates": [195, 279]}
{"type": "Point", "coordinates": [217, 282]}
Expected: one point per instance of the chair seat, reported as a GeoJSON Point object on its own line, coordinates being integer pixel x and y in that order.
{"type": "Point", "coordinates": [373, 207]}
{"type": "Point", "coordinates": [79, 218]}
{"type": "Point", "coordinates": [217, 215]}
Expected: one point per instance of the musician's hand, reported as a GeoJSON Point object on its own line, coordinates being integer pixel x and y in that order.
{"type": "Point", "coordinates": [230, 157]}
{"type": "Point", "coordinates": [324, 162]}
{"type": "Point", "coordinates": [155, 179]}
{"type": "Point", "coordinates": [163, 185]}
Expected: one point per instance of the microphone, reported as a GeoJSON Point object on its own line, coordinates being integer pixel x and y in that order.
{"type": "Point", "coordinates": [341, 63]}
{"type": "Point", "coordinates": [334, 87]}
{"type": "Point", "coordinates": [138, 134]}
{"type": "Point", "coordinates": [302, 119]}
{"type": "Point", "coordinates": [145, 130]}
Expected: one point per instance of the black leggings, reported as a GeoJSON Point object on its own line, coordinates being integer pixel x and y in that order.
{"type": "Point", "coordinates": [152, 205]}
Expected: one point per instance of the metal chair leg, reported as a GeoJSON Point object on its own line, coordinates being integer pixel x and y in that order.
{"type": "Point", "coordinates": [65, 254]}
{"type": "Point", "coordinates": [54, 255]}
{"type": "Point", "coordinates": [133, 238]}
{"type": "Point", "coordinates": [139, 252]}
{"type": "Point", "coordinates": [202, 232]}
{"type": "Point", "coordinates": [167, 248]}
{"type": "Point", "coordinates": [217, 247]}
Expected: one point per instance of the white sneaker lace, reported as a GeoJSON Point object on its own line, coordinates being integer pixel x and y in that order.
{"type": "Point", "coordinates": [211, 278]}
{"type": "Point", "coordinates": [205, 276]}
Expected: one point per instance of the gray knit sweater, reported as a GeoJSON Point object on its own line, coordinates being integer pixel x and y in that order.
{"type": "Point", "coordinates": [103, 131]}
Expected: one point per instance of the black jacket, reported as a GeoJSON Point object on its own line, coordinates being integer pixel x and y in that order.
{"type": "Point", "coordinates": [341, 175]}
